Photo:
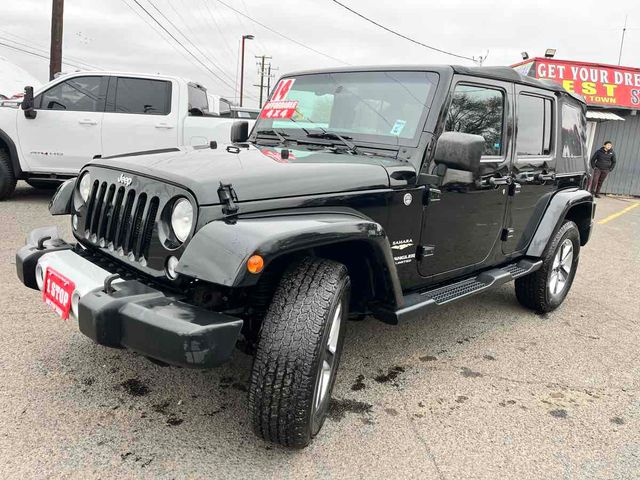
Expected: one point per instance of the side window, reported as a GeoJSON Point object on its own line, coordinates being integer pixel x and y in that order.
{"type": "Point", "coordinates": [198, 104]}
{"type": "Point", "coordinates": [81, 94]}
{"type": "Point", "coordinates": [143, 96]}
{"type": "Point", "coordinates": [225, 108]}
{"type": "Point", "coordinates": [535, 118]}
{"type": "Point", "coordinates": [573, 132]}
{"type": "Point", "coordinates": [480, 111]}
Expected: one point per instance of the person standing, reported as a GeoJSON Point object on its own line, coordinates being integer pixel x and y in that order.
{"type": "Point", "coordinates": [603, 161]}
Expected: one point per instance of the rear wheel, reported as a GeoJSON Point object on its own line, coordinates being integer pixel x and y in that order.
{"type": "Point", "coordinates": [7, 177]}
{"type": "Point", "coordinates": [545, 289]}
{"type": "Point", "coordinates": [299, 352]}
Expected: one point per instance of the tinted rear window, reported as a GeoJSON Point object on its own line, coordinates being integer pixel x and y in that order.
{"type": "Point", "coordinates": [143, 96]}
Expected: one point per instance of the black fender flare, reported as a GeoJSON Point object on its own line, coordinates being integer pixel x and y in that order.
{"type": "Point", "coordinates": [60, 203]}
{"type": "Point", "coordinates": [554, 215]}
{"type": "Point", "coordinates": [218, 252]}
{"type": "Point", "coordinates": [13, 154]}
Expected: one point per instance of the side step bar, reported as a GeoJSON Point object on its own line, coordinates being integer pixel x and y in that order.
{"type": "Point", "coordinates": [417, 303]}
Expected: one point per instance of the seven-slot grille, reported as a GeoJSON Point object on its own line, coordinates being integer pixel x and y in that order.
{"type": "Point", "coordinates": [120, 219]}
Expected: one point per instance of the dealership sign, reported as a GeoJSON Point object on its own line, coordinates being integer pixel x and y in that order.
{"type": "Point", "coordinates": [603, 85]}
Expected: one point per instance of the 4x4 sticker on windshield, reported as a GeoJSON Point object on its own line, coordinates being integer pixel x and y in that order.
{"type": "Point", "coordinates": [397, 127]}
{"type": "Point", "coordinates": [282, 89]}
{"type": "Point", "coordinates": [279, 109]}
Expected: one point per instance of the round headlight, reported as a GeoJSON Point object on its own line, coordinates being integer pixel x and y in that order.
{"type": "Point", "coordinates": [85, 186]}
{"type": "Point", "coordinates": [182, 219]}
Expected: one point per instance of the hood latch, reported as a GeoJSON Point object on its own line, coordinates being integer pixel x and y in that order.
{"type": "Point", "coordinates": [228, 199]}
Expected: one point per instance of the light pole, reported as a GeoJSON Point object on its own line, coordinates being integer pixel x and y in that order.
{"type": "Point", "coordinates": [244, 37]}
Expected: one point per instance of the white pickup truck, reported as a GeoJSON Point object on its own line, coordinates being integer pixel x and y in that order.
{"type": "Point", "coordinates": [79, 116]}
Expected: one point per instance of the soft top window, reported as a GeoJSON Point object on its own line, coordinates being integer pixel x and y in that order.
{"type": "Point", "coordinates": [573, 131]}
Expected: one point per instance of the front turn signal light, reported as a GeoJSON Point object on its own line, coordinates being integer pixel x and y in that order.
{"type": "Point", "coordinates": [255, 264]}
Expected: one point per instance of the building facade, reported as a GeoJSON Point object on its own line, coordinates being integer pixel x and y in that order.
{"type": "Point", "coordinates": [613, 98]}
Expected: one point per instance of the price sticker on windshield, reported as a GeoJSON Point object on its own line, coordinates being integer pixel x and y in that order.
{"type": "Point", "coordinates": [282, 89]}
{"type": "Point", "coordinates": [279, 109]}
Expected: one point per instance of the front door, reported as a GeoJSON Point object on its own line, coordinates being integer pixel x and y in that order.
{"type": "Point", "coordinates": [461, 230]}
{"type": "Point", "coordinates": [534, 166]}
{"type": "Point", "coordinates": [66, 131]}
{"type": "Point", "coordinates": [141, 114]}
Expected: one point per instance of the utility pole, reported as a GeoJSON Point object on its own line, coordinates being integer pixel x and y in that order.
{"type": "Point", "coordinates": [269, 77]}
{"type": "Point", "coordinates": [55, 57]}
{"type": "Point", "coordinates": [262, 72]}
{"type": "Point", "coordinates": [624, 30]}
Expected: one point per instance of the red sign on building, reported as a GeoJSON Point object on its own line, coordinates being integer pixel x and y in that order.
{"type": "Point", "coordinates": [603, 85]}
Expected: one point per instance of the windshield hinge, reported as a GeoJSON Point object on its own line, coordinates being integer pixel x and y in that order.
{"type": "Point", "coordinates": [228, 199]}
{"type": "Point", "coordinates": [432, 195]}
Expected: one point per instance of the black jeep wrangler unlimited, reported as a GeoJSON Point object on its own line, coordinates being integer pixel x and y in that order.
{"type": "Point", "coordinates": [369, 191]}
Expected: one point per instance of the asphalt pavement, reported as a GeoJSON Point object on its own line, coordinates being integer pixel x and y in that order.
{"type": "Point", "coordinates": [482, 389]}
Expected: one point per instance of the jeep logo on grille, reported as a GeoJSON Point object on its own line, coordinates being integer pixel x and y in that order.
{"type": "Point", "coordinates": [124, 180]}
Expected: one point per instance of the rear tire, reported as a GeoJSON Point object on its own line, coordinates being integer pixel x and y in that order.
{"type": "Point", "coordinates": [7, 177]}
{"type": "Point", "coordinates": [544, 290]}
{"type": "Point", "coordinates": [44, 184]}
{"type": "Point", "coordinates": [298, 352]}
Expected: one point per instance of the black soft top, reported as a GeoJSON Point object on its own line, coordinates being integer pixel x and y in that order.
{"type": "Point", "coordinates": [507, 74]}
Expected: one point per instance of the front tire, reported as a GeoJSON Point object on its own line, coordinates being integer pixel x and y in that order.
{"type": "Point", "coordinates": [544, 290]}
{"type": "Point", "coordinates": [7, 177]}
{"type": "Point", "coordinates": [298, 352]}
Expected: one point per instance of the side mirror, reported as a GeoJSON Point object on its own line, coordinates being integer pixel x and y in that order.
{"type": "Point", "coordinates": [460, 151]}
{"type": "Point", "coordinates": [239, 132]}
{"type": "Point", "coordinates": [27, 103]}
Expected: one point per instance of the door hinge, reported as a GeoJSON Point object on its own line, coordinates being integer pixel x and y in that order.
{"type": "Point", "coordinates": [507, 233]}
{"type": "Point", "coordinates": [228, 199]}
{"type": "Point", "coordinates": [432, 195]}
{"type": "Point", "coordinates": [425, 251]}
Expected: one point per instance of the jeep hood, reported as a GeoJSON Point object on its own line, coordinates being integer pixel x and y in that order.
{"type": "Point", "coordinates": [256, 173]}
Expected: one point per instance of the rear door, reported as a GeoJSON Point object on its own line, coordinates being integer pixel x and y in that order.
{"type": "Point", "coordinates": [141, 114]}
{"type": "Point", "coordinates": [461, 230]}
{"type": "Point", "coordinates": [66, 131]}
{"type": "Point", "coordinates": [534, 166]}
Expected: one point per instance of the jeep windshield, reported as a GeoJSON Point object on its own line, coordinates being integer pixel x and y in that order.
{"type": "Point", "coordinates": [385, 107]}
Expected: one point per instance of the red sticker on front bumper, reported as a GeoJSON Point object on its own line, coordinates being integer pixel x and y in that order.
{"type": "Point", "coordinates": [57, 291]}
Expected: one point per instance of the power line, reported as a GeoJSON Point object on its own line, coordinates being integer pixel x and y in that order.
{"type": "Point", "coordinates": [160, 34]}
{"type": "Point", "coordinates": [39, 47]}
{"type": "Point", "coordinates": [185, 48]}
{"type": "Point", "coordinates": [222, 35]}
{"type": "Point", "coordinates": [204, 55]}
{"type": "Point", "coordinates": [400, 34]}
{"type": "Point", "coordinates": [35, 54]}
{"type": "Point", "coordinates": [282, 34]}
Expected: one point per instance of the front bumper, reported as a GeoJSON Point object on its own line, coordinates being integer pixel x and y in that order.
{"type": "Point", "coordinates": [132, 315]}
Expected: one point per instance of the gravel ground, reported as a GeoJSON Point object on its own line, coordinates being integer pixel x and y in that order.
{"type": "Point", "coordinates": [480, 389]}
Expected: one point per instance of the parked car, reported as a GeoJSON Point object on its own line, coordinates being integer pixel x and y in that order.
{"type": "Point", "coordinates": [85, 115]}
{"type": "Point", "coordinates": [360, 191]}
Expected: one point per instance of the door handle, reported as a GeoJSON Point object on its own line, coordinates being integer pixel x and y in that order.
{"type": "Point", "coordinates": [165, 126]}
{"type": "Point", "coordinates": [88, 121]}
{"type": "Point", "coordinates": [495, 181]}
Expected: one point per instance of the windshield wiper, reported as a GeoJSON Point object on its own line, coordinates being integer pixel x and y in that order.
{"type": "Point", "coordinates": [336, 136]}
{"type": "Point", "coordinates": [273, 131]}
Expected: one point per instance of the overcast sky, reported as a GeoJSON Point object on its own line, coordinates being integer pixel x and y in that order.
{"type": "Point", "coordinates": [118, 35]}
